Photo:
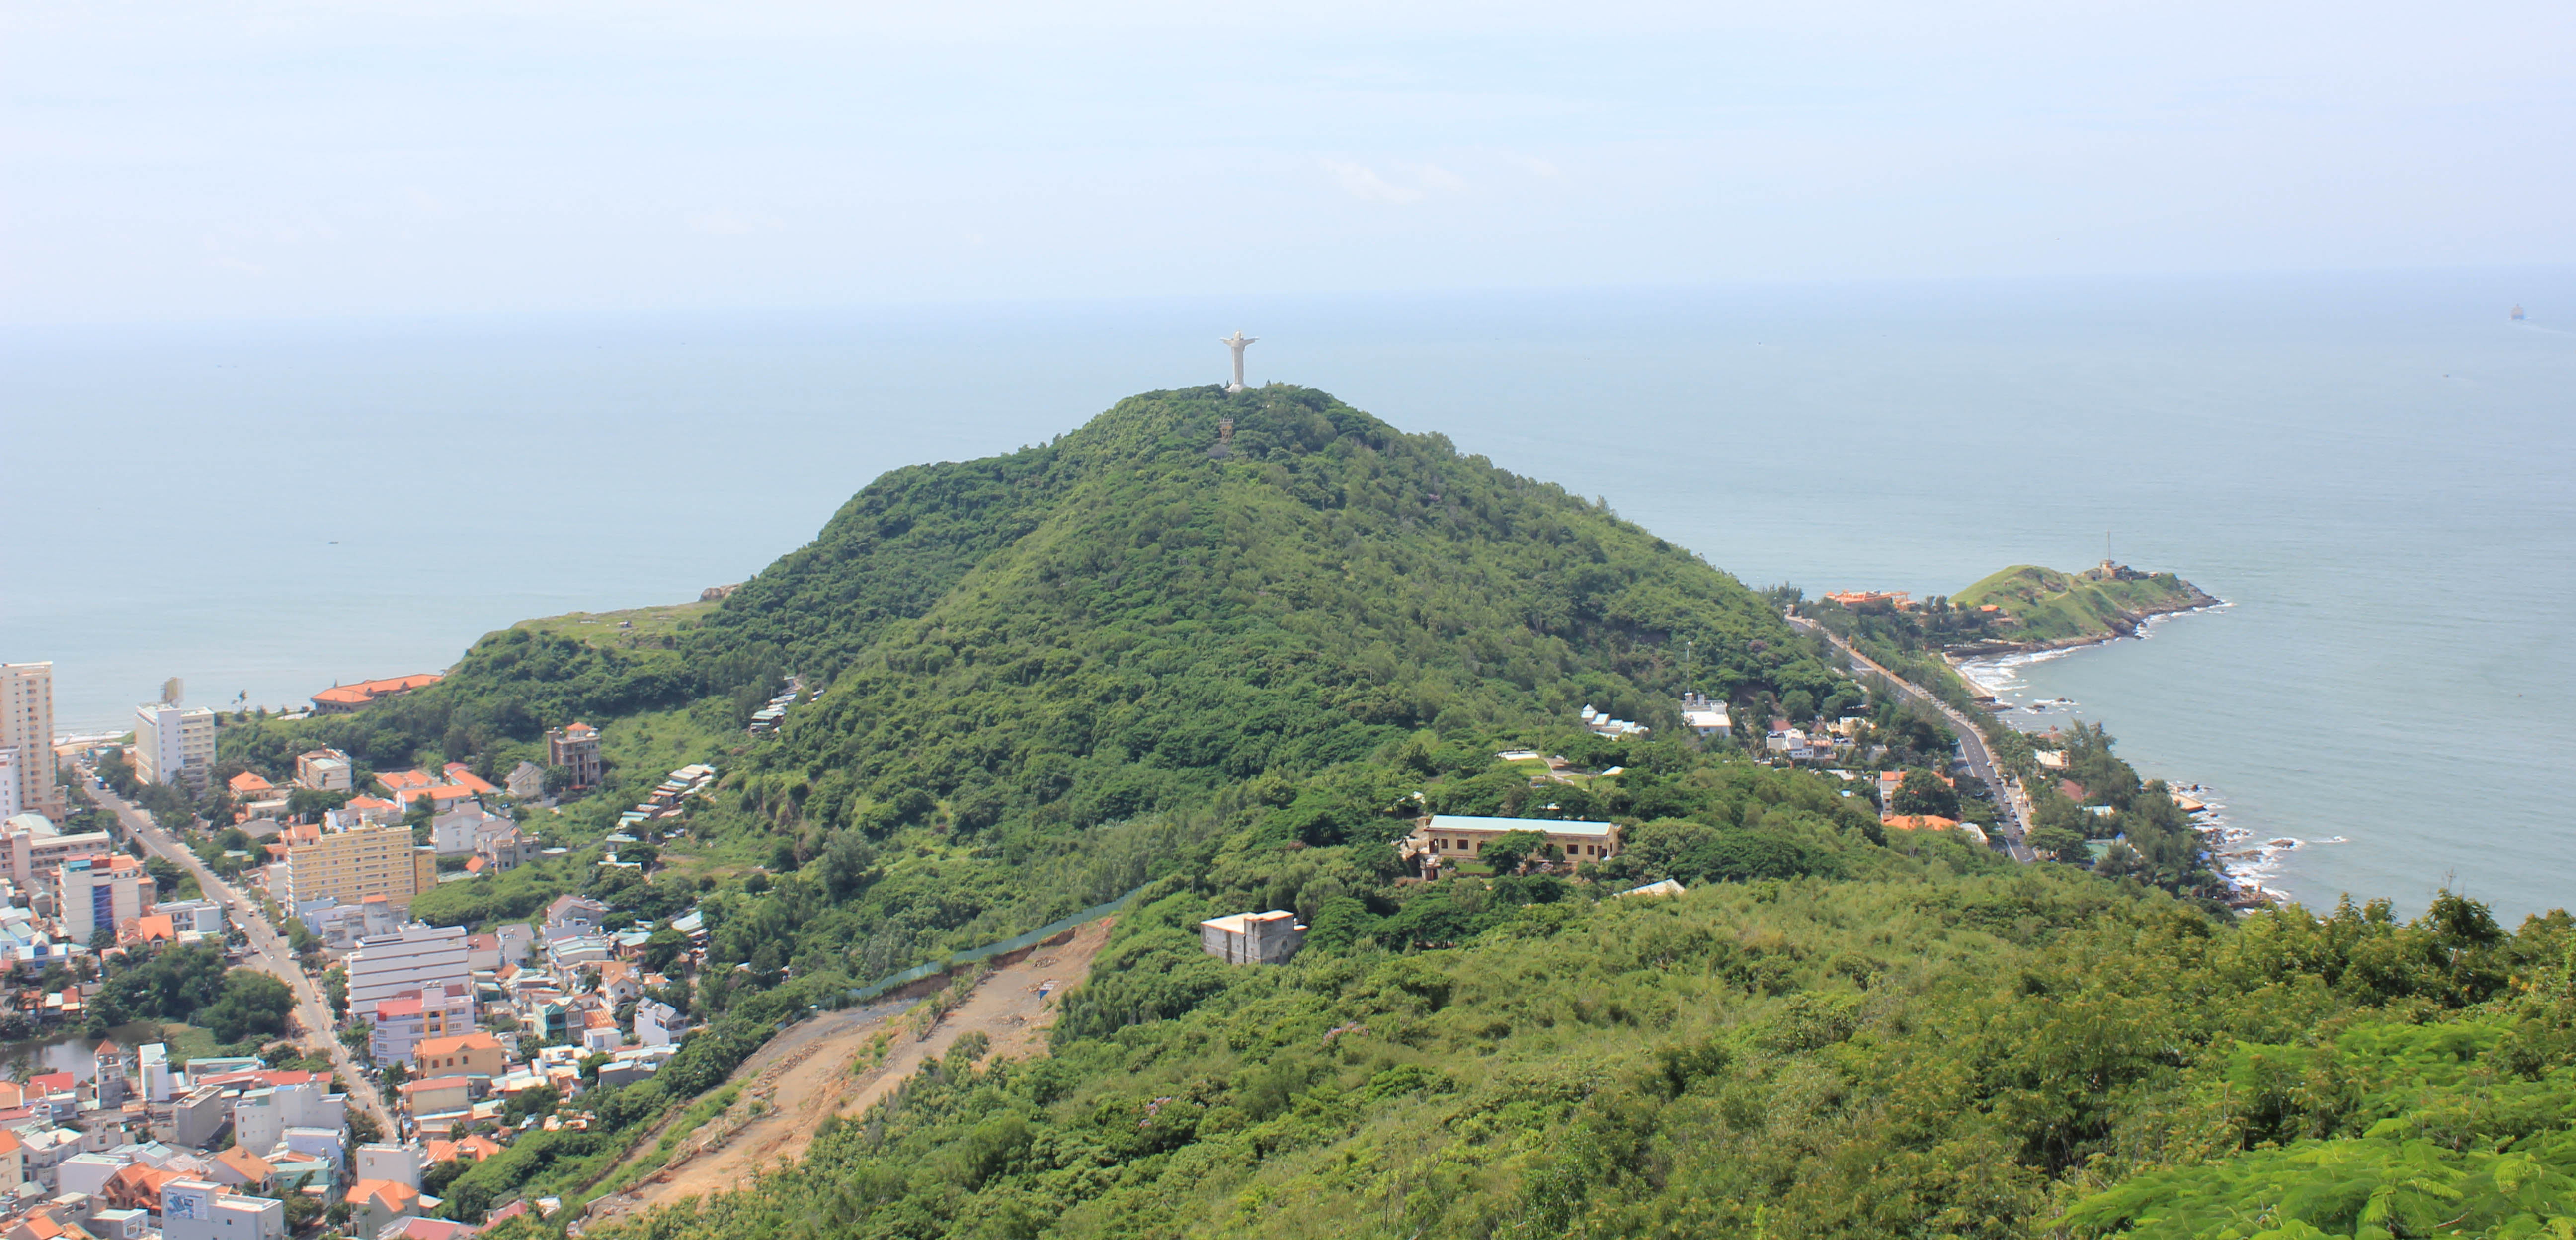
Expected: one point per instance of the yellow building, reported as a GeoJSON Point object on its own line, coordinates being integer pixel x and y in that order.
{"type": "Point", "coordinates": [349, 866]}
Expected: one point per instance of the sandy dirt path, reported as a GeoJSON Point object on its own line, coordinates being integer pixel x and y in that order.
{"type": "Point", "coordinates": [833, 1065]}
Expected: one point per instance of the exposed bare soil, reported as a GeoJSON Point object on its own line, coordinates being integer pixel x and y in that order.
{"type": "Point", "coordinates": [841, 1063]}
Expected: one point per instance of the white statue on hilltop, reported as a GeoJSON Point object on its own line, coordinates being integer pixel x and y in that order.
{"type": "Point", "coordinates": [1236, 343]}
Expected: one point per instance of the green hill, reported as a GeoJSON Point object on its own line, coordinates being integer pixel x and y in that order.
{"type": "Point", "coordinates": [1223, 648]}
{"type": "Point", "coordinates": [2049, 606]}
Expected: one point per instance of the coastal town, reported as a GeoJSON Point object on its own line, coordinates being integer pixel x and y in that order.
{"type": "Point", "coordinates": [360, 1061]}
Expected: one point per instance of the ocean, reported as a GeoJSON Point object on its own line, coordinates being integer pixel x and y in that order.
{"type": "Point", "coordinates": [2372, 469]}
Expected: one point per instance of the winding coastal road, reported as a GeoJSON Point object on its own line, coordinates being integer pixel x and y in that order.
{"type": "Point", "coordinates": [269, 953]}
{"type": "Point", "coordinates": [1972, 743]}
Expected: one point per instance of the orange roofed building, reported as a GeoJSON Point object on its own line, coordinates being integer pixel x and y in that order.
{"type": "Point", "coordinates": [341, 699]}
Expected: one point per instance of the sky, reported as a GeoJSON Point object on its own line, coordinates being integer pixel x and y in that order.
{"type": "Point", "coordinates": [179, 161]}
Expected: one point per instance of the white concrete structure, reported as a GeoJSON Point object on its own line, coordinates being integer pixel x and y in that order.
{"type": "Point", "coordinates": [9, 805]}
{"type": "Point", "coordinates": [202, 1210]}
{"type": "Point", "coordinates": [173, 744]}
{"type": "Point", "coordinates": [327, 1144]}
{"type": "Point", "coordinates": [1236, 343]}
{"type": "Point", "coordinates": [454, 833]}
{"type": "Point", "coordinates": [27, 726]}
{"type": "Point", "coordinates": [152, 1064]}
{"type": "Point", "coordinates": [658, 1023]}
{"type": "Point", "coordinates": [1706, 717]}
{"type": "Point", "coordinates": [417, 957]}
{"type": "Point", "coordinates": [398, 1163]}
{"type": "Point", "coordinates": [202, 916]}
{"type": "Point", "coordinates": [87, 1173]}
{"type": "Point", "coordinates": [1252, 938]}
{"type": "Point", "coordinates": [262, 1116]}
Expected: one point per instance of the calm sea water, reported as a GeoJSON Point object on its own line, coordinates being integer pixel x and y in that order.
{"type": "Point", "coordinates": [2374, 470]}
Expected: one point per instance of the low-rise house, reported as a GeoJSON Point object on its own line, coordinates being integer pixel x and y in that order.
{"type": "Point", "coordinates": [438, 1095]}
{"type": "Point", "coordinates": [659, 1024]}
{"type": "Point", "coordinates": [375, 1205]}
{"type": "Point", "coordinates": [1448, 837]}
{"type": "Point", "coordinates": [428, 1229]}
{"type": "Point", "coordinates": [118, 1224]}
{"type": "Point", "coordinates": [202, 1210]}
{"type": "Point", "coordinates": [619, 983]}
{"type": "Point", "coordinates": [454, 832]}
{"type": "Point", "coordinates": [570, 916]}
{"type": "Point", "coordinates": [1252, 938]}
{"type": "Point", "coordinates": [459, 775]}
{"type": "Point", "coordinates": [325, 770]}
{"type": "Point", "coordinates": [527, 781]}
{"type": "Point", "coordinates": [470, 1054]}
{"type": "Point", "coordinates": [239, 1168]}
{"type": "Point", "coordinates": [472, 1147]}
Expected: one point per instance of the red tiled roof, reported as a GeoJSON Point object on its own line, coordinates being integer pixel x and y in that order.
{"type": "Point", "coordinates": [367, 691]}
{"type": "Point", "coordinates": [464, 777]}
{"type": "Point", "coordinates": [247, 782]}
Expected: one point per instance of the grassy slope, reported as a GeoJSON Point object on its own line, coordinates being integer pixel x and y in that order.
{"type": "Point", "coordinates": [2055, 606]}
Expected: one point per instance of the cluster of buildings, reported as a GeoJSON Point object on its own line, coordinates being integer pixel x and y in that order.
{"type": "Point", "coordinates": [362, 852]}
{"type": "Point", "coordinates": [665, 801]}
{"type": "Point", "coordinates": [1797, 744]}
{"type": "Point", "coordinates": [211, 1149]}
{"type": "Point", "coordinates": [63, 890]}
{"type": "Point", "coordinates": [1603, 725]}
{"type": "Point", "coordinates": [766, 719]}
{"type": "Point", "coordinates": [455, 1008]}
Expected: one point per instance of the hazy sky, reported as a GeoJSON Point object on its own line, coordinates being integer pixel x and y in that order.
{"type": "Point", "coordinates": [264, 159]}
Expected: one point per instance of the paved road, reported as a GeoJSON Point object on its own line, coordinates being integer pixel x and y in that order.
{"type": "Point", "coordinates": [1972, 743]}
{"type": "Point", "coordinates": [268, 952]}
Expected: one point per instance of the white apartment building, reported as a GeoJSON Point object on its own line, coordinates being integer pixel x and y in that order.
{"type": "Point", "coordinates": [27, 726]}
{"type": "Point", "coordinates": [9, 805]}
{"type": "Point", "coordinates": [416, 958]}
{"type": "Point", "coordinates": [205, 1210]}
{"type": "Point", "coordinates": [173, 744]}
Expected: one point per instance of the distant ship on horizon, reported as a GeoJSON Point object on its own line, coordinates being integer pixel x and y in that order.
{"type": "Point", "coordinates": [2517, 314]}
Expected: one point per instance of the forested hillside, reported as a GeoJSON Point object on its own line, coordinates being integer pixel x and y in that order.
{"type": "Point", "coordinates": [1919, 1053]}
{"type": "Point", "coordinates": [1225, 648]}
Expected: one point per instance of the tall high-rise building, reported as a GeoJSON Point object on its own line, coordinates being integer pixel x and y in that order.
{"type": "Point", "coordinates": [27, 726]}
{"type": "Point", "coordinates": [9, 806]}
{"type": "Point", "coordinates": [174, 744]}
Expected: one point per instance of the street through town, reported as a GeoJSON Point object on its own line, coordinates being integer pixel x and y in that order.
{"type": "Point", "coordinates": [1972, 743]}
{"type": "Point", "coordinates": [268, 952]}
